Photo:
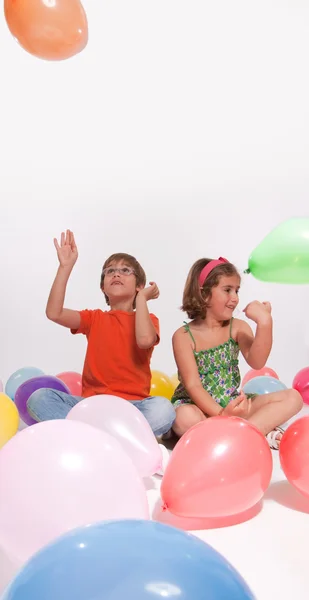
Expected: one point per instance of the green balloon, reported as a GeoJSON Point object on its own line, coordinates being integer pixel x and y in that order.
{"type": "Point", "coordinates": [283, 256]}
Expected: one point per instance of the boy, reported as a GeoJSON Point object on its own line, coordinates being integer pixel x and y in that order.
{"type": "Point", "coordinates": [120, 341]}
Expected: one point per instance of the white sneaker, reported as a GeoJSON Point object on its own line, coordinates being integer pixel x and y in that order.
{"type": "Point", "coordinates": [165, 459]}
{"type": "Point", "coordinates": [272, 438]}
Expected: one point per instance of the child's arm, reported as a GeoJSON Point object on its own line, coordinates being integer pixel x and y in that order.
{"type": "Point", "coordinates": [256, 349]}
{"type": "Point", "coordinates": [189, 374]}
{"type": "Point", "coordinates": [67, 255]}
{"type": "Point", "coordinates": [145, 333]}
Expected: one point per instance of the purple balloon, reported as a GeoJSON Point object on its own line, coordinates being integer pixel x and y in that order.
{"type": "Point", "coordinates": [28, 387]}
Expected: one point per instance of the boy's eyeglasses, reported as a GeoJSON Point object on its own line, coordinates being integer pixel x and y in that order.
{"type": "Point", "coordinates": [110, 271]}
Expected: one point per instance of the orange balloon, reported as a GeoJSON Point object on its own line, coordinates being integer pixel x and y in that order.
{"type": "Point", "coordinates": [219, 468]}
{"type": "Point", "coordinates": [48, 29]}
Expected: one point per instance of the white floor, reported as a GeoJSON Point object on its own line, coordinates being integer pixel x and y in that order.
{"type": "Point", "coordinates": [270, 549]}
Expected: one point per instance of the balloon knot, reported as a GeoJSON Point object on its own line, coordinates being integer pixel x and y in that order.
{"type": "Point", "coordinates": [247, 271]}
{"type": "Point", "coordinates": [164, 507]}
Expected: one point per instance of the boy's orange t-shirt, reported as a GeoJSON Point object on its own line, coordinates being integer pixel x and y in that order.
{"type": "Point", "coordinates": [114, 364]}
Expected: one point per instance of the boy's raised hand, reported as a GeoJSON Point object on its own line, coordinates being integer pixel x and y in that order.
{"type": "Point", "coordinates": [151, 292]}
{"type": "Point", "coordinates": [67, 250]}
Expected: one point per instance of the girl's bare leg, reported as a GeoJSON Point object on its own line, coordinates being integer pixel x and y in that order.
{"type": "Point", "coordinates": [187, 415]}
{"type": "Point", "coordinates": [272, 410]}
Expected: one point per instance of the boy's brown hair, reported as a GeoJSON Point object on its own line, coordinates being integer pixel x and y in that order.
{"type": "Point", "coordinates": [195, 297]}
{"type": "Point", "coordinates": [130, 261]}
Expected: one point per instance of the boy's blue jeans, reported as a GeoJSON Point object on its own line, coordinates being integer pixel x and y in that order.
{"type": "Point", "coordinates": [46, 404]}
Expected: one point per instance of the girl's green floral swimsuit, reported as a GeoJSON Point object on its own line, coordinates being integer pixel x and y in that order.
{"type": "Point", "coordinates": [218, 370]}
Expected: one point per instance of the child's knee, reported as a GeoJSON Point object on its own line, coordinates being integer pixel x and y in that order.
{"type": "Point", "coordinates": [34, 402]}
{"type": "Point", "coordinates": [294, 399]}
{"type": "Point", "coordinates": [188, 415]}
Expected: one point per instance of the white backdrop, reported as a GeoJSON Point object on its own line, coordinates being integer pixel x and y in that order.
{"type": "Point", "coordinates": [181, 131]}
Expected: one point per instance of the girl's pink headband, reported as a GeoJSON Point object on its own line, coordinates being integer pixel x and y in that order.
{"type": "Point", "coordinates": [209, 267]}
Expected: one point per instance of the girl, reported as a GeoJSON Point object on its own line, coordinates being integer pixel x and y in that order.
{"type": "Point", "coordinates": [206, 352]}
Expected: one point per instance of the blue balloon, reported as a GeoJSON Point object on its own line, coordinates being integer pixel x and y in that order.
{"type": "Point", "coordinates": [263, 385]}
{"type": "Point", "coordinates": [20, 377]}
{"type": "Point", "coordinates": [134, 560]}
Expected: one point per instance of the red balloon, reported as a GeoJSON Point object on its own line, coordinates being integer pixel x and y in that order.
{"type": "Point", "coordinates": [73, 381]}
{"type": "Point", "coordinates": [294, 454]}
{"type": "Point", "coordinates": [301, 384]}
{"type": "Point", "coordinates": [266, 371]}
{"type": "Point", "coordinates": [220, 467]}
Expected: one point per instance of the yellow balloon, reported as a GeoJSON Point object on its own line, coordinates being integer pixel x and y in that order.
{"type": "Point", "coordinates": [161, 385]}
{"type": "Point", "coordinates": [174, 381]}
{"type": "Point", "coordinates": [9, 419]}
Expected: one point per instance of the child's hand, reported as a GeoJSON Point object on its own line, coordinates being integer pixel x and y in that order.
{"type": "Point", "coordinates": [67, 251]}
{"type": "Point", "coordinates": [151, 292]}
{"type": "Point", "coordinates": [259, 312]}
{"type": "Point", "coordinates": [239, 407]}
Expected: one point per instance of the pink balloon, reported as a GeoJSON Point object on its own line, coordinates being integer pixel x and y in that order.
{"type": "Point", "coordinates": [127, 424]}
{"type": "Point", "coordinates": [59, 475]}
{"type": "Point", "coordinates": [220, 467]}
{"type": "Point", "coordinates": [301, 384]}
{"type": "Point", "coordinates": [73, 380]}
{"type": "Point", "coordinates": [265, 371]}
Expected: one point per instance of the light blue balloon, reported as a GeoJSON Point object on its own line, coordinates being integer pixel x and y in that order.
{"type": "Point", "coordinates": [133, 560]}
{"type": "Point", "coordinates": [20, 377]}
{"type": "Point", "coordinates": [263, 385]}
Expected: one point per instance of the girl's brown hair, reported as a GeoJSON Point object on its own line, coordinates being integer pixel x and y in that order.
{"type": "Point", "coordinates": [195, 297]}
{"type": "Point", "coordinates": [130, 261]}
